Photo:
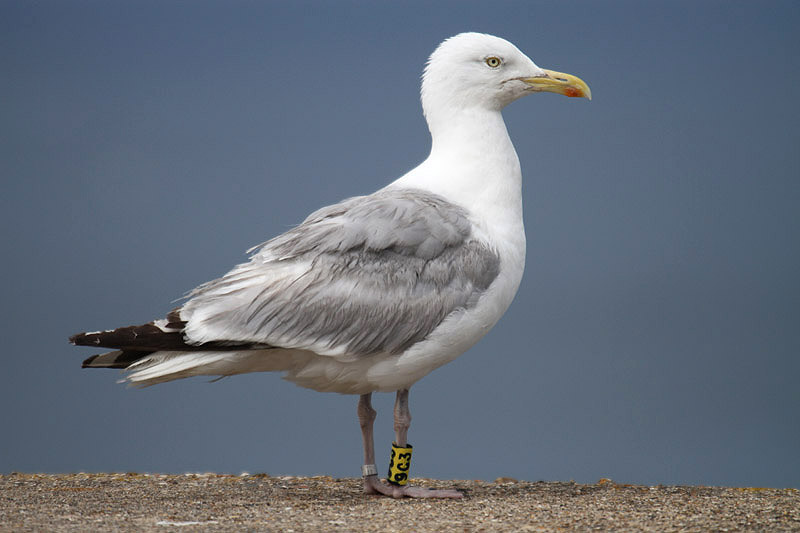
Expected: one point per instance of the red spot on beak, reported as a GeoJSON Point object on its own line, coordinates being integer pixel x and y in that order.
{"type": "Point", "coordinates": [573, 93]}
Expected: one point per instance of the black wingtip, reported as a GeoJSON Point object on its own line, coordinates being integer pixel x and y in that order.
{"type": "Point", "coordinates": [88, 362]}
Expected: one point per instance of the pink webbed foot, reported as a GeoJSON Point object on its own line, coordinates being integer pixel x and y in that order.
{"type": "Point", "coordinates": [373, 485]}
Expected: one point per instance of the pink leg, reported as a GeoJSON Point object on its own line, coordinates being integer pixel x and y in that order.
{"type": "Point", "coordinates": [402, 420]}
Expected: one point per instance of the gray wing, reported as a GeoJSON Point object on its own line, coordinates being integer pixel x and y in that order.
{"type": "Point", "coordinates": [372, 274]}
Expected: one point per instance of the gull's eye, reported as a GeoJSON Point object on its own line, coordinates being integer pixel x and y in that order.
{"type": "Point", "coordinates": [493, 61]}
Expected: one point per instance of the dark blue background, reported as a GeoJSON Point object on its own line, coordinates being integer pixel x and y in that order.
{"type": "Point", "coordinates": [656, 334]}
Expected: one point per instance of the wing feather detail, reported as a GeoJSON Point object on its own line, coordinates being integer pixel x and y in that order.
{"type": "Point", "coordinates": [372, 274]}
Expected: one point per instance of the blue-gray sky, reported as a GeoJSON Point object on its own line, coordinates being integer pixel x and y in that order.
{"type": "Point", "coordinates": [656, 334]}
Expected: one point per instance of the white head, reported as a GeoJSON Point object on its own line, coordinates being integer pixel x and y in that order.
{"type": "Point", "coordinates": [476, 70]}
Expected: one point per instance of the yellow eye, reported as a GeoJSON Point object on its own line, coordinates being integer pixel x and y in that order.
{"type": "Point", "coordinates": [493, 62]}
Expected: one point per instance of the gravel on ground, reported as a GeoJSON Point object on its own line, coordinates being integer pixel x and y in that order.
{"type": "Point", "coordinates": [214, 502]}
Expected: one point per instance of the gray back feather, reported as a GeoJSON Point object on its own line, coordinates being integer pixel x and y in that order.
{"type": "Point", "coordinates": [372, 274]}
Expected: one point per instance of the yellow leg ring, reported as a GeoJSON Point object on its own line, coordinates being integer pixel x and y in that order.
{"type": "Point", "coordinates": [399, 465]}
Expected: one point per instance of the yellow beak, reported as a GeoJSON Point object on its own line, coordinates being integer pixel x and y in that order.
{"type": "Point", "coordinates": [558, 82]}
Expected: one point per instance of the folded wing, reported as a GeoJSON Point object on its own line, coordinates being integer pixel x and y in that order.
{"type": "Point", "coordinates": [372, 274]}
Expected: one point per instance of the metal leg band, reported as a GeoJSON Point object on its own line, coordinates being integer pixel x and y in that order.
{"type": "Point", "coordinates": [368, 470]}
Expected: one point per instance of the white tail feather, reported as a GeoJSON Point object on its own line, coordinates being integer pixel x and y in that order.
{"type": "Point", "coordinates": [160, 367]}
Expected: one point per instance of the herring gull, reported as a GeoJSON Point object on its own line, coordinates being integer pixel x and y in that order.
{"type": "Point", "coordinates": [373, 293]}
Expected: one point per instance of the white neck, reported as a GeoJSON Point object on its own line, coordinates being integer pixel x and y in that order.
{"type": "Point", "coordinates": [472, 163]}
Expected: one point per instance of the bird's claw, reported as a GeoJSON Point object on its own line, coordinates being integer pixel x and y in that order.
{"type": "Point", "coordinates": [373, 485]}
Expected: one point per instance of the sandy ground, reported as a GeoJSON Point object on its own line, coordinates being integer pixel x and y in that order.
{"type": "Point", "coordinates": [211, 502]}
